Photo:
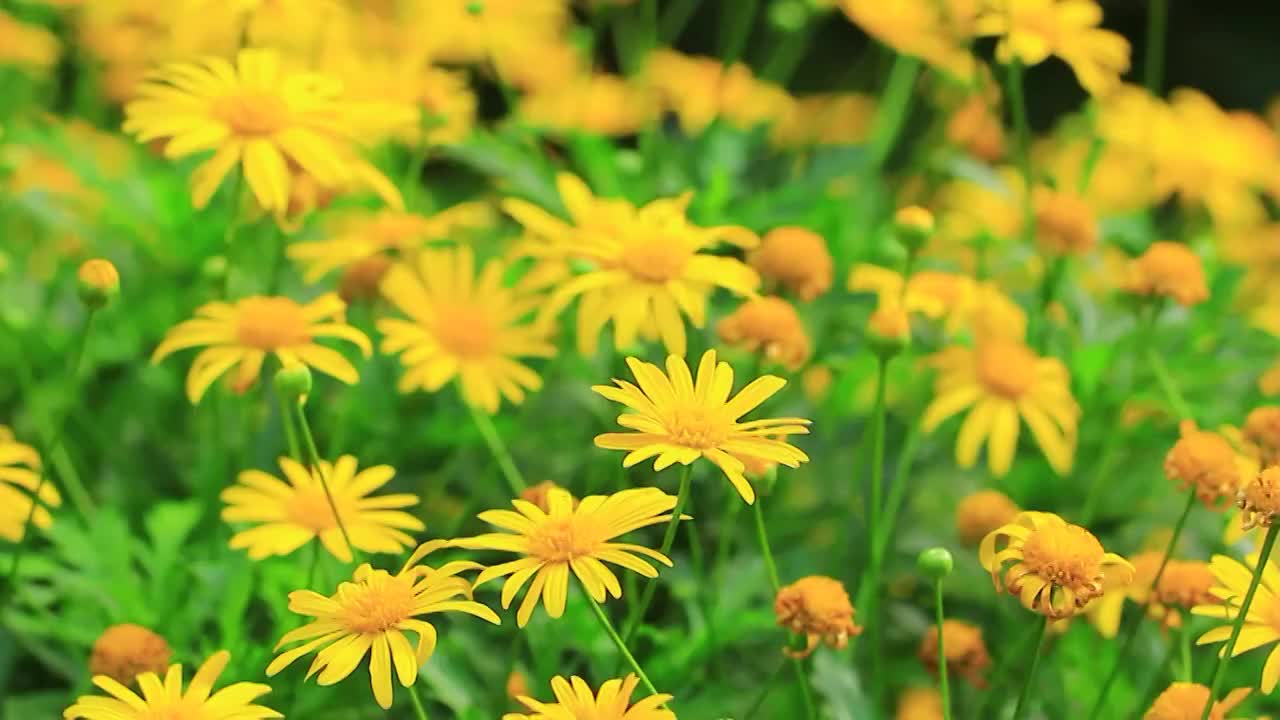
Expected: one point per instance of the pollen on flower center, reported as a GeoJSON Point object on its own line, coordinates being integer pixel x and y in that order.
{"type": "Point", "coordinates": [655, 260]}
{"type": "Point", "coordinates": [268, 323]}
{"type": "Point", "coordinates": [561, 541]}
{"type": "Point", "coordinates": [310, 509]}
{"type": "Point", "coordinates": [465, 331]}
{"type": "Point", "coordinates": [379, 603]}
{"type": "Point", "coordinates": [1068, 555]}
{"type": "Point", "coordinates": [252, 113]}
{"type": "Point", "coordinates": [1007, 368]}
{"type": "Point", "coordinates": [696, 427]}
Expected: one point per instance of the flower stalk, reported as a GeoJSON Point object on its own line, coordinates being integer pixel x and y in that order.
{"type": "Point", "coordinates": [313, 461]}
{"type": "Point", "coordinates": [636, 615]}
{"type": "Point", "coordinates": [1025, 695]}
{"type": "Point", "coordinates": [515, 480]}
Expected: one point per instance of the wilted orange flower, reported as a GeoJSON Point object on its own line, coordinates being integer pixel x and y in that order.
{"type": "Point", "coordinates": [797, 259]}
{"type": "Point", "coordinates": [770, 326]}
{"type": "Point", "coordinates": [1168, 269]}
{"type": "Point", "coordinates": [966, 651]}
{"type": "Point", "coordinates": [1259, 499]}
{"type": "Point", "coordinates": [1065, 224]}
{"type": "Point", "coordinates": [981, 512]}
{"type": "Point", "coordinates": [817, 607]}
{"type": "Point", "coordinates": [1186, 701]}
{"type": "Point", "coordinates": [1205, 461]}
{"type": "Point", "coordinates": [123, 652]}
{"type": "Point", "coordinates": [1262, 430]}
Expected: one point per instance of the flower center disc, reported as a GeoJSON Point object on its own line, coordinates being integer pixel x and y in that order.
{"type": "Point", "coordinates": [310, 509]}
{"type": "Point", "coordinates": [1067, 556]}
{"type": "Point", "coordinates": [655, 260]}
{"type": "Point", "coordinates": [695, 427]}
{"type": "Point", "coordinates": [1006, 368]}
{"type": "Point", "coordinates": [562, 540]}
{"type": "Point", "coordinates": [465, 331]}
{"type": "Point", "coordinates": [270, 323]}
{"type": "Point", "coordinates": [252, 113]}
{"type": "Point", "coordinates": [377, 604]}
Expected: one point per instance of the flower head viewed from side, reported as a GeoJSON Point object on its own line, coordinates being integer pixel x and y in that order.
{"type": "Point", "coordinates": [19, 477]}
{"type": "Point", "coordinates": [566, 538]}
{"type": "Point", "coordinates": [1168, 269]}
{"type": "Point", "coordinates": [290, 514]}
{"type": "Point", "coordinates": [817, 607]}
{"type": "Point", "coordinates": [966, 651]}
{"type": "Point", "coordinates": [769, 326]}
{"type": "Point", "coordinates": [576, 701]}
{"type": "Point", "coordinates": [981, 512]}
{"type": "Point", "coordinates": [241, 334]}
{"type": "Point", "coordinates": [919, 703]}
{"type": "Point", "coordinates": [1259, 499]}
{"type": "Point", "coordinates": [678, 418]}
{"type": "Point", "coordinates": [1052, 567]}
{"type": "Point", "coordinates": [165, 698]}
{"type": "Point", "coordinates": [1184, 585]}
{"type": "Point", "coordinates": [1002, 383]}
{"type": "Point", "coordinates": [370, 614]}
{"type": "Point", "coordinates": [1206, 462]}
{"type": "Point", "coordinates": [1186, 701]}
{"type": "Point", "coordinates": [123, 652]}
{"type": "Point", "coordinates": [1032, 30]}
{"type": "Point", "coordinates": [797, 259]}
{"type": "Point", "coordinates": [1262, 430]}
{"type": "Point", "coordinates": [462, 325]}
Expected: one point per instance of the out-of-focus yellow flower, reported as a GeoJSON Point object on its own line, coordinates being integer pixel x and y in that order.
{"type": "Point", "coordinates": [1206, 461]}
{"type": "Point", "coordinates": [1052, 567]}
{"type": "Point", "coordinates": [976, 128]}
{"type": "Point", "coordinates": [1262, 431]}
{"type": "Point", "coordinates": [964, 306]}
{"type": "Point", "coordinates": [1065, 224]}
{"type": "Point", "coordinates": [1106, 611]}
{"type": "Point", "coordinates": [769, 326]}
{"type": "Point", "coordinates": [981, 512]}
{"type": "Point", "coordinates": [1186, 701]}
{"type": "Point", "coordinates": [966, 208]}
{"type": "Point", "coordinates": [817, 607]}
{"type": "Point", "coordinates": [601, 103]}
{"type": "Point", "coordinates": [936, 32]}
{"type": "Point", "coordinates": [574, 699]}
{"type": "Point", "coordinates": [966, 651]}
{"type": "Point", "coordinates": [921, 703]}
{"type": "Point", "coordinates": [1259, 628]}
{"type": "Point", "coordinates": [540, 495]}
{"type": "Point", "coordinates": [825, 119]}
{"type": "Point", "coordinates": [1185, 584]}
{"type": "Point", "coordinates": [29, 47]}
{"type": "Point", "coordinates": [123, 652]}
{"type": "Point", "coordinates": [797, 259]}
{"type": "Point", "coordinates": [700, 89]}
{"type": "Point", "coordinates": [1168, 269]}
{"type": "Point", "coordinates": [816, 382]}
{"type": "Point", "coordinates": [1032, 30]}
{"type": "Point", "coordinates": [407, 99]}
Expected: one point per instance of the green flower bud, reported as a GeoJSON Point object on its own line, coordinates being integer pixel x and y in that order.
{"type": "Point", "coordinates": [935, 563]}
{"type": "Point", "coordinates": [294, 382]}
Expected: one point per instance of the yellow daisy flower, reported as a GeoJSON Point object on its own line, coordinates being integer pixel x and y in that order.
{"type": "Point", "coordinates": [569, 537]}
{"type": "Point", "coordinates": [241, 334]}
{"type": "Point", "coordinates": [370, 615]}
{"type": "Point", "coordinates": [575, 699]}
{"type": "Point", "coordinates": [1000, 381]}
{"type": "Point", "coordinates": [166, 699]}
{"type": "Point", "coordinates": [647, 269]}
{"type": "Point", "coordinates": [1186, 701]}
{"type": "Point", "coordinates": [289, 515]}
{"type": "Point", "coordinates": [817, 607]}
{"type": "Point", "coordinates": [1261, 626]}
{"type": "Point", "coordinates": [1168, 269]}
{"type": "Point", "coordinates": [464, 326]}
{"type": "Point", "coordinates": [255, 114]}
{"type": "Point", "coordinates": [19, 478]}
{"type": "Point", "coordinates": [1052, 567]}
{"type": "Point", "coordinates": [678, 419]}
{"type": "Point", "coordinates": [1032, 30]}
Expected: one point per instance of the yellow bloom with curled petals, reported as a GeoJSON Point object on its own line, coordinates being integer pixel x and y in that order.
{"type": "Point", "coordinates": [1261, 626]}
{"type": "Point", "coordinates": [240, 335]}
{"type": "Point", "coordinates": [575, 700]}
{"type": "Point", "coordinates": [166, 698]}
{"type": "Point", "coordinates": [1054, 568]}
{"type": "Point", "coordinates": [19, 478]}
{"type": "Point", "coordinates": [1032, 30]}
{"type": "Point", "coordinates": [370, 614]}
{"type": "Point", "coordinates": [568, 537]}
{"type": "Point", "coordinates": [678, 419]}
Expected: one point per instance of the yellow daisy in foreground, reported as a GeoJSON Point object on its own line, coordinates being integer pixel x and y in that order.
{"type": "Point", "coordinates": [464, 326]}
{"type": "Point", "coordinates": [569, 538]}
{"type": "Point", "coordinates": [166, 699]}
{"type": "Point", "coordinates": [19, 471]}
{"type": "Point", "coordinates": [255, 114]}
{"type": "Point", "coordinates": [291, 514]}
{"type": "Point", "coordinates": [1000, 381]}
{"type": "Point", "coordinates": [1052, 567]}
{"type": "Point", "coordinates": [574, 700]}
{"type": "Point", "coordinates": [370, 614]}
{"type": "Point", "coordinates": [647, 266]}
{"type": "Point", "coordinates": [678, 419]}
{"type": "Point", "coordinates": [1261, 626]}
{"type": "Point", "coordinates": [242, 334]}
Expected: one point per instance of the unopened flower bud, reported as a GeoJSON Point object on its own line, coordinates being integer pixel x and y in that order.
{"type": "Point", "coordinates": [294, 381]}
{"type": "Point", "coordinates": [935, 563]}
{"type": "Point", "coordinates": [913, 226]}
{"type": "Point", "coordinates": [888, 330]}
{"type": "Point", "coordinates": [99, 282]}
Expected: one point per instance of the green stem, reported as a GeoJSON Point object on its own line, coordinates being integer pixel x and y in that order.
{"type": "Point", "coordinates": [499, 449]}
{"type": "Point", "coordinates": [313, 459]}
{"type": "Point", "coordinates": [1031, 671]}
{"type": "Point", "coordinates": [418, 708]}
{"type": "Point", "coordinates": [736, 29]}
{"type": "Point", "coordinates": [1013, 659]}
{"type": "Point", "coordinates": [725, 543]}
{"type": "Point", "coordinates": [229, 234]}
{"type": "Point", "coordinates": [1184, 637]}
{"type": "Point", "coordinates": [764, 691]}
{"type": "Point", "coordinates": [1110, 452]}
{"type": "Point", "coordinates": [622, 646]}
{"type": "Point", "coordinates": [1157, 23]}
{"type": "Point", "coordinates": [892, 110]}
{"type": "Point", "coordinates": [766, 551]}
{"type": "Point", "coordinates": [314, 565]}
{"type": "Point", "coordinates": [636, 615]}
{"type": "Point", "coordinates": [944, 685]}
{"type": "Point", "coordinates": [897, 490]}
{"type": "Point", "coordinates": [1167, 385]}
{"type": "Point", "coordinates": [1131, 631]}
{"type": "Point", "coordinates": [674, 19]}
{"type": "Point", "coordinates": [787, 54]}
{"type": "Point", "coordinates": [1225, 656]}
{"type": "Point", "coordinates": [1022, 147]}
{"type": "Point", "coordinates": [878, 412]}
{"type": "Point", "coordinates": [290, 432]}
{"type": "Point", "coordinates": [1090, 164]}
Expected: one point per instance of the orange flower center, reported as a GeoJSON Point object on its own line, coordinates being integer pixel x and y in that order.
{"type": "Point", "coordinates": [465, 331]}
{"type": "Point", "coordinates": [1068, 556]}
{"type": "Point", "coordinates": [252, 113]}
{"type": "Point", "coordinates": [1006, 367]}
{"type": "Point", "coordinates": [655, 260]}
{"type": "Point", "coordinates": [310, 509]}
{"type": "Point", "coordinates": [697, 427]}
{"type": "Point", "coordinates": [561, 540]}
{"type": "Point", "coordinates": [377, 604]}
{"type": "Point", "coordinates": [271, 323]}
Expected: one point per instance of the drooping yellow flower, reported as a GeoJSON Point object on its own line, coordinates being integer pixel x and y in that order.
{"type": "Point", "coordinates": [1032, 30]}
{"type": "Point", "coordinates": [19, 478]}
{"type": "Point", "coordinates": [678, 419]}
{"type": "Point", "coordinates": [1206, 461]}
{"type": "Point", "coordinates": [647, 269]}
{"type": "Point", "coordinates": [981, 512]}
{"type": "Point", "coordinates": [575, 700]}
{"type": "Point", "coordinates": [28, 47]}
{"type": "Point", "coordinates": [1168, 269]}
{"type": "Point", "coordinates": [123, 652]}
{"type": "Point", "coordinates": [1001, 381]}
{"type": "Point", "coordinates": [1261, 626]}
{"type": "Point", "coordinates": [1052, 567]}
{"type": "Point", "coordinates": [289, 515]}
{"type": "Point", "coordinates": [255, 114]}
{"type": "Point", "coordinates": [370, 614]}
{"type": "Point", "coordinates": [797, 259]}
{"type": "Point", "coordinates": [769, 326]}
{"type": "Point", "coordinates": [568, 538]}
{"type": "Point", "coordinates": [462, 325]}
{"type": "Point", "coordinates": [966, 651]}
{"type": "Point", "coordinates": [936, 32]}
{"type": "Point", "coordinates": [241, 334]}
{"type": "Point", "coordinates": [166, 698]}
{"type": "Point", "coordinates": [1186, 701]}
{"type": "Point", "coordinates": [819, 608]}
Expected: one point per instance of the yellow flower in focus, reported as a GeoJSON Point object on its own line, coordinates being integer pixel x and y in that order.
{"type": "Point", "coordinates": [677, 418]}
{"type": "Point", "coordinates": [574, 699]}
{"type": "Point", "coordinates": [981, 512]}
{"type": "Point", "coordinates": [370, 614]}
{"type": "Point", "coordinates": [1261, 626]}
{"type": "Point", "coordinates": [1052, 567]}
{"type": "Point", "coordinates": [769, 326]}
{"type": "Point", "coordinates": [255, 114]}
{"type": "Point", "coordinates": [921, 703]}
{"type": "Point", "coordinates": [240, 335]}
{"type": "Point", "coordinates": [289, 515]}
{"type": "Point", "coordinates": [568, 538]}
{"type": "Point", "coordinates": [1205, 461]}
{"type": "Point", "coordinates": [19, 472]}
{"type": "Point", "coordinates": [166, 699]}
{"type": "Point", "coordinates": [1065, 224]}
{"type": "Point", "coordinates": [1168, 269]}
{"type": "Point", "coordinates": [123, 652]}
{"type": "Point", "coordinates": [817, 607]}
{"type": "Point", "coordinates": [966, 651]}
{"type": "Point", "coordinates": [1186, 701]}
{"type": "Point", "coordinates": [795, 258]}
{"type": "Point", "coordinates": [825, 119]}
{"type": "Point", "coordinates": [1000, 381]}
{"type": "Point", "coordinates": [647, 271]}
{"type": "Point", "coordinates": [700, 89]}
{"type": "Point", "coordinates": [29, 47]}
{"type": "Point", "coordinates": [936, 32]}
{"type": "Point", "coordinates": [462, 325]}
{"type": "Point", "coordinates": [1032, 30]}
{"type": "Point", "coordinates": [602, 104]}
